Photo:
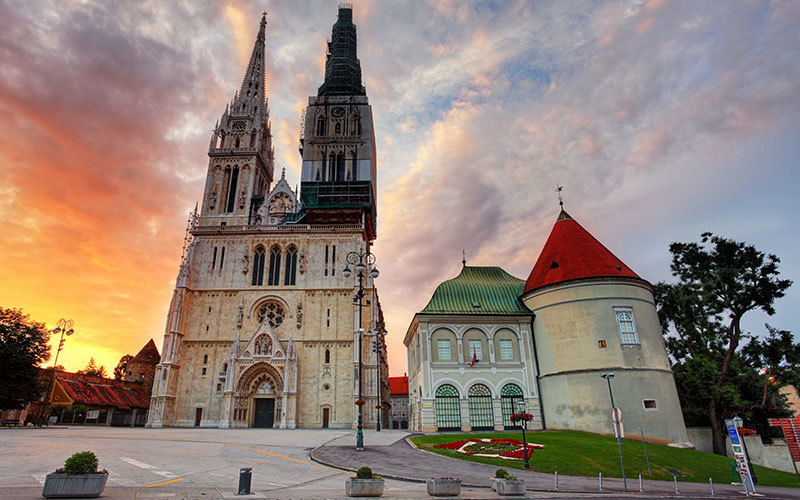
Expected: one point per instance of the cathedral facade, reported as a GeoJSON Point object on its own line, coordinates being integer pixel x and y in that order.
{"type": "Point", "coordinates": [263, 328]}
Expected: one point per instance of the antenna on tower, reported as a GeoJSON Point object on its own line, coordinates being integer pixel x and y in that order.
{"type": "Point", "coordinates": [463, 258]}
{"type": "Point", "coordinates": [560, 198]}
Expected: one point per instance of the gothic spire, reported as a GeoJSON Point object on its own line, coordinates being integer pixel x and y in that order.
{"type": "Point", "coordinates": [252, 92]}
{"type": "Point", "coordinates": [342, 67]}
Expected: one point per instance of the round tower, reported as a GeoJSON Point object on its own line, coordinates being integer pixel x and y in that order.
{"type": "Point", "coordinates": [594, 315]}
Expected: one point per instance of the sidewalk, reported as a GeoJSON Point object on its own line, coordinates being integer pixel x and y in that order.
{"type": "Point", "coordinates": [400, 460]}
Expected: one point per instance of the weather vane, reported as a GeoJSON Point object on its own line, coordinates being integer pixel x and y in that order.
{"type": "Point", "coordinates": [463, 258]}
{"type": "Point", "coordinates": [560, 199]}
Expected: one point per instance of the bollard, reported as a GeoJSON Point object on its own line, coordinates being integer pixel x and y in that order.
{"type": "Point", "coordinates": [711, 482]}
{"type": "Point", "coordinates": [675, 478]}
{"type": "Point", "coordinates": [640, 484]}
{"type": "Point", "coordinates": [245, 476]}
{"type": "Point", "coordinates": [601, 481]}
{"type": "Point", "coordinates": [556, 480]}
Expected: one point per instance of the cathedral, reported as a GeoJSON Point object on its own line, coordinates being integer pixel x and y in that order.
{"type": "Point", "coordinates": [265, 323]}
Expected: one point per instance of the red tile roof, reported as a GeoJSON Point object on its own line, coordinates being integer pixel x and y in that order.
{"type": "Point", "coordinates": [398, 385]}
{"type": "Point", "coordinates": [148, 355]}
{"type": "Point", "coordinates": [104, 395]}
{"type": "Point", "coordinates": [571, 253]}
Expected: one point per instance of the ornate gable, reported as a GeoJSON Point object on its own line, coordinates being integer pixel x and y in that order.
{"type": "Point", "coordinates": [280, 202]}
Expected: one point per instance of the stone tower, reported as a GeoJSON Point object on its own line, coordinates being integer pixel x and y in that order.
{"type": "Point", "coordinates": [261, 330]}
{"type": "Point", "coordinates": [594, 315]}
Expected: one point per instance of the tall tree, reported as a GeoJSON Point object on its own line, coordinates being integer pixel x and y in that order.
{"type": "Point", "coordinates": [93, 369]}
{"type": "Point", "coordinates": [719, 281]}
{"type": "Point", "coordinates": [23, 346]}
{"type": "Point", "coordinates": [119, 371]}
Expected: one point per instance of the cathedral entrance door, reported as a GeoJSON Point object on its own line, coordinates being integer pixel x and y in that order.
{"type": "Point", "coordinates": [326, 416]}
{"type": "Point", "coordinates": [265, 412]}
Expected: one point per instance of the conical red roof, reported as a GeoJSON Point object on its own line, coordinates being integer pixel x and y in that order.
{"type": "Point", "coordinates": [571, 253]}
{"type": "Point", "coordinates": [149, 354]}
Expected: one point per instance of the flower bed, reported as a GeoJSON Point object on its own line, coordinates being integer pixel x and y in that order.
{"type": "Point", "coordinates": [509, 448]}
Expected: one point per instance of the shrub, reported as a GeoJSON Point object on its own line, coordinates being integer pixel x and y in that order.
{"type": "Point", "coordinates": [501, 473]}
{"type": "Point", "coordinates": [82, 462]}
{"type": "Point", "coordinates": [509, 477]}
{"type": "Point", "coordinates": [364, 473]}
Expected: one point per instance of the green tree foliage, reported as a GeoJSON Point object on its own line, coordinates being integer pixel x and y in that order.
{"type": "Point", "coordinates": [719, 281]}
{"type": "Point", "coordinates": [82, 462]}
{"type": "Point", "coordinates": [93, 370]}
{"type": "Point", "coordinates": [119, 371]}
{"type": "Point", "coordinates": [23, 346]}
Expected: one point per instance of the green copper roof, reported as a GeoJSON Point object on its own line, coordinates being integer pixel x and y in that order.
{"type": "Point", "coordinates": [478, 290]}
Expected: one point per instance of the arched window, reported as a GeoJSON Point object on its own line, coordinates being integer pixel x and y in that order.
{"type": "Point", "coordinates": [231, 198]}
{"type": "Point", "coordinates": [337, 128]}
{"type": "Point", "coordinates": [448, 408]}
{"type": "Point", "coordinates": [327, 356]}
{"type": "Point", "coordinates": [480, 407]}
{"type": "Point", "coordinates": [253, 139]}
{"type": "Point", "coordinates": [272, 312]}
{"type": "Point", "coordinates": [258, 266]}
{"type": "Point", "coordinates": [510, 395]}
{"type": "Point", "coordinates": [321, 126]}
{"type": "Point", "coordinates": [205, 359]}
{"type": "Point", "coordinates": [627, 328]}
{"type": "Point", "coordinates": [274, 266]}
{"type": "Point", "coordinates": [291, 265]}
{"type": "Point", "coordinates": [340, 167]}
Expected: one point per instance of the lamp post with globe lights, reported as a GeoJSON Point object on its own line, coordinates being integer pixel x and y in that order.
{"type": "Point", "coordinates": [364, 263]}
{"type": "Point", "coordinates": [523, 422]}
{"type": "Point", "coordinates": [64, 328]}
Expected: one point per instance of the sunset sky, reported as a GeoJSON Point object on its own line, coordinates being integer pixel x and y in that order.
{"type": "Point", "coordinates": [660, 119]}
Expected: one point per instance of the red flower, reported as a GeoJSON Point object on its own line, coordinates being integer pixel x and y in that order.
{"type": "Point", "coordinates": [520, 453]}
{"type": "Point", "coordinates": [451, 446]}
{"type": "Point", "coordinates": [360, 402]}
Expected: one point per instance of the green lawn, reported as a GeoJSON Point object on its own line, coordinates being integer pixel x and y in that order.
{"type": "Point", "coordinates": [585, 454]}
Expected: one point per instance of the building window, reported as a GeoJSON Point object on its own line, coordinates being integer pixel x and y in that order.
{"type": "Point", "coordinates": [444, 350]}
{"type": "Point", "coordinates": [510, 394]}
{"type": "Point", "coordinates": [506, 349]}
{"type": "Point", "coordinates": [205, 359]}
{"type": "Point", "coordinates": [219, 387]}
{"type": "Point", "coordinates": [448, 408]}
{"type": "Point", "coordinates": [333, 261]}
{"type": "Point", "coordinates": [326, 260]}
{"type": "Point", "coordinates": [475, 350]}
{"type": "Point", "coordinates": [274, 266]}
{"type": "Point", "coordinates": [627, 328]}
{"type": "Point", "coordinates": [480, 407]}
{"type": "Point", "coordinates": [204, 371]}
{"type": "Point", "coordinates": [327, 356]}
{"type": "Point", "coordinates": [649, 404]}
{"type": "Point", "coordinates": [222, 258]}
{"type": "Point", "coordinates": [231, 199]}
{"type": "Point", "coordinates": [602, 344]}
{"type": "Point", "coordinates": [214, 259]}
{"type": "Point", "coordinates": [291, 266]}
{"type": "Point", "coordinates": [273, 312]}
{"type": "Point", "coordinates": [258, 266]}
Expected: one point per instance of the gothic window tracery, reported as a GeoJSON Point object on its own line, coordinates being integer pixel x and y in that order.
{"type": "Point", "coordinates": [258, 266]}
{"type": "Point", "coordinates": [274, 266]}
{"type": "Point", "coordinates": [291, 265]}
{"type": "Point", "coordinates": [272, 312]}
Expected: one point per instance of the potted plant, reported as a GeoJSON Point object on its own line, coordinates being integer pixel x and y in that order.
{"type": "Point", "coordinates": [498, 476]}
{"type": "Point", "coordinates": [78, 479]}
{"type": "Point", "coordinates": [510, 486]}
{"type": "Point", "coordinates": [444, 486]}
{"type": "Point", "coordinates": [364, 484]}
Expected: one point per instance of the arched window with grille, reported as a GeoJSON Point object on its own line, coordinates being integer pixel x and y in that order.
{"type": "Point", "coordinates": [258, 266]}
{"type": "Point", "coordinates": [626, 325]}
{"type": "Point", "coordinates": [291, 266]}
{"type": "Point", "coordinates": [448, 408]}
{"type": "Point", "coordinates": [510, 394]}
{"type": "Point", "coordinates": [274, 266]}
{"type": "Point", "coordinates": [480, 407]}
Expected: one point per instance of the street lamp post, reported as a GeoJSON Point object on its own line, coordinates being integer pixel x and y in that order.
{"type": "Point", "coordinates": [362, 262]}
{"type": "Point", "coordinates": [522, 406]}
{"type": "Point", "coordinates": [64, 328]}
{"type": "Point", "coordinates": [739, 423]}
{"type": "Point", "coordinates": [608, 376]}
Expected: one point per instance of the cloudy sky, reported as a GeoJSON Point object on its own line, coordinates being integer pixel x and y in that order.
{"type": "Point", "coordinates": [660, 119]}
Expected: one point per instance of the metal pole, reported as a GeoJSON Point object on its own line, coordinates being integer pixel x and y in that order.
{"type": "Point", "coordinates": [675, 480]}
{"type": "Point", "coordinates": [645, 451]}
{"type": "Point", "coordinates": [619, 433]}
{"type": "Point", "coordinates": [711, 482]}
{"type": "Point", "coordinates": [360, 433]}
{"type": "Point", "coordinates": [50, 389]}
{"type": "Point", "coordinates": [525, 445]}
{"type": "Point", "coordinates": [378, 358]}
{"type": "Point", "coordinates": [556, 480]}
{"type": "Point", "coordinates": [601, 481]}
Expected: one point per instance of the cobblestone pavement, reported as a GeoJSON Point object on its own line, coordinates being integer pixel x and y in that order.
{"type": "Point", "coordinates": [402, 460]}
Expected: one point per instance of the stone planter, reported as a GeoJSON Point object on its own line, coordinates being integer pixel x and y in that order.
{"type": "Point", "coordinates": [444, 487]}
{"type": "Point", "coordinates": [494, 480]}
{"type": "Point", "coordinates": [505, 487]}
{"type": "Point", "coordinates": [75, 486]}
{"type": "Point", "coordinates": [363, 487]}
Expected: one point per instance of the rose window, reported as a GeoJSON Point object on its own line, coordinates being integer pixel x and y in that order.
{"type": "Point", "coordinates": [272, 312]}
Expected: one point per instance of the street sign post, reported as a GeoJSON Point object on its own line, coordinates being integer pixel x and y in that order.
{"type": "Point", "coordinates": [741, 460]}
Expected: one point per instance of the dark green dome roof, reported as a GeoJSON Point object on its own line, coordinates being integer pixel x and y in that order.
{"type": "Point", "coordinates": [478, 290]}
